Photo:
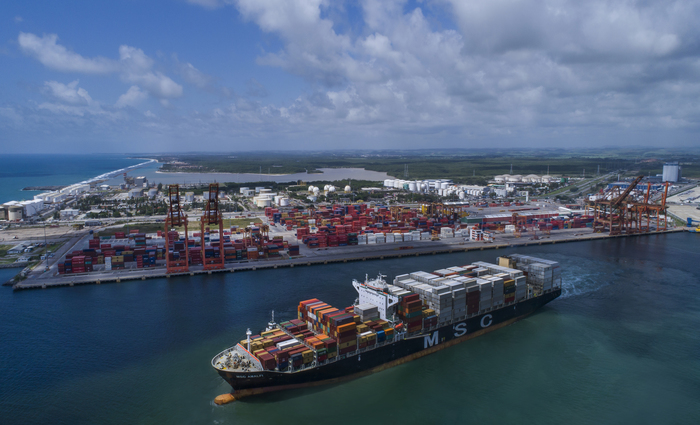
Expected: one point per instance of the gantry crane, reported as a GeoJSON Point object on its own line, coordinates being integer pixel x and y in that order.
{"type": "Point", "coordinates": [212, 217]}
{"type": "Point", "coordinates": [617, 214]}
{"type": "Point", "coordinates": [175, 218]}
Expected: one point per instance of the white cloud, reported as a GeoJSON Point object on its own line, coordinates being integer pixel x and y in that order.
{"type": "Point", "coordinates": [194, 76]}
{"type": "Point", "coordinates": [133, 66]}
{"type": "Point", "coordinates": [132, 97]}
{"type": "Point", "coordinates": [18, 19]}
{"type": "Point", "coordinates": [57, 57]}
{"type": "Point", "coordinates": [426, 73]}
{"type": "Point", "coordinates": [137, 68]}
{"type": "Point", "coordinates": [68, 93]}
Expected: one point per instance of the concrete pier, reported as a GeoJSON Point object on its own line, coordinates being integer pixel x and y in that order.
{"type": "Point", "coordinates": [328, 256]}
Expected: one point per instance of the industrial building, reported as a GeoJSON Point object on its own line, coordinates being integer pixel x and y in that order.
{"type": "Point", "coordinates": [15, 210]}
{"type": "Point", "coordinates": [672, 172]}
{"type": "Point", "coordinates": [135, 193]}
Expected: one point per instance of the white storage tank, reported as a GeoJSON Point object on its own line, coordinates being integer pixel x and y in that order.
{"type": "Point", "coordinates": [388, 183]}
{"type": "Point", "coordinates": [444, 185]}
{"type": "Point", "coordinates": [284, 202]}
{"type": "Point", "coordinates": [15, 212]}
{"type": "Point", "coordinates": [263, 202]}
{"type": "Point", "coordinates": [312, 198]}
{"type": "Point", "coordinates": [348, 189]}
{"type": "Point", "coordinates": [413, 187]}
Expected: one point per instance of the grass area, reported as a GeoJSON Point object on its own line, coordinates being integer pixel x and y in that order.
{"type": "Point", "coordinates": [240, 222]}
{"type": "Point", "coordinates": [4, 249]}
{"type": "Point", "coordinates": [141, 227]}
{"type": "Point", "coordinates": [192, 226]}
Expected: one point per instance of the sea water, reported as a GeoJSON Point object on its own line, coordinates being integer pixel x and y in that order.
{"type": "Point", "coordinates": [621, 345]}
{"type": "Point", "coordinates": [18, 171]}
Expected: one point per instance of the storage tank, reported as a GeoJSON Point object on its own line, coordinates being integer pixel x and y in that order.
{"type": "Point", "coordinates": [312, 198]}
{"type": "Point", "coordinates": [331, 188]}
{"type": "Point", "coordinates": [671, 172]}
{"type": "Point", "coordinates": [284, 202]}
{"type": "Point", "coordinates": [15, 212]}
{"type": "Point", "coordinates": [413, 187]}
{"type": "Point", "coordinates": [152, 193]}
{"type": "Point", "coordinates": [263, 202]}
{"type": "Point", "coordinates": [444, 185]}
{"type": "Point", "coordinates": [348, 189]}
{"type": "Point", "coordinates": [389, 183]}
{"type": "Point", "coordinates": [461, 195]}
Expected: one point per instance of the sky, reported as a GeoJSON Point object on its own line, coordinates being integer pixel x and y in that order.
{"type": "Point", "coordinates": [295, 75]}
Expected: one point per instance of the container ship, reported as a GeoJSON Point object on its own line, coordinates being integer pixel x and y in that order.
{"type": "Point", "coordinates": [389, 324]}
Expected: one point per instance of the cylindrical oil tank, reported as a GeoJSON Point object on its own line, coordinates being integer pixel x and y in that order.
{"type": "Point", "coordinates": [264, 202]}
{"type": "Point", "coordinates": [14, 213]}
{"type": "Point", "coordinates": [284, 202]}
{"type": "Point", "coordinates": [413, 187]}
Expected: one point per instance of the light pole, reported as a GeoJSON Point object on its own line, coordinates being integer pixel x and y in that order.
{"type": "Point", "coordinates": [46, 248]}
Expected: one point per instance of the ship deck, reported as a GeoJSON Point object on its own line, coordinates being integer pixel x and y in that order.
{"type": "Point", "coordinates": [236, 359]}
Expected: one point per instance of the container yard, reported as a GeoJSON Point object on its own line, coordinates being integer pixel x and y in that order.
{"type": "Point", "coordinates": [420, 313]}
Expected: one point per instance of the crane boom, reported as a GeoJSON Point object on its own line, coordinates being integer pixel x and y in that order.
{"type": "Point", "coordinates": [627, 191]}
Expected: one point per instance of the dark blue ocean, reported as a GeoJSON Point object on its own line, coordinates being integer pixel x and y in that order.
{"type": "Point", "coordinates": [620, 346]}
{"type": "Point", "coordinates": [18, 171]}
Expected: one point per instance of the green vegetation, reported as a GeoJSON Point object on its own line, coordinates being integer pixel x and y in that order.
{"type": "Point", "coordinates": [470, 167]}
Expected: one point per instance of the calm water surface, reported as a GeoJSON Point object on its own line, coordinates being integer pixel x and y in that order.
{"type": "Point", "coordinates": [620, 346]}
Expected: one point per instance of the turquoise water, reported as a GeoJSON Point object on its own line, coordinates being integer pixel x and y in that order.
{"type": "Point", "coordinates": [19, 171]}
{"type": "Point", "coordinates": [620, 346]}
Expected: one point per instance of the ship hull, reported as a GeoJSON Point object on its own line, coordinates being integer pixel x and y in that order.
{"type": "Point", "coordinates": [387, 356]}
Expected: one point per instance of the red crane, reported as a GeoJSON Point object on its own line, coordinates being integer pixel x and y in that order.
{"type": "Point", "coordinates": [212, 217]}
{"type": "Point", "coordinates": [175, 218]}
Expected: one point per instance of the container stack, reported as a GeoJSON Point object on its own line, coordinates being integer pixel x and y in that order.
{"type": "Point", "coordinates": [509, 291]}
{"type": "Point", "coordinates": [410, 311]}
{"type": "Point", "coordinates": [473, 298]}
{"type": "Point", "coordinates": [497, 291]}
{"type": "Point", "coordinates": [541, 274]}
{"type": "Point", "coordinates": [485, 289]}
{"type": "Point", "coordinates": [367, 312]}
{"type": "Point", "coordinates": [195, 254]}
{"type": "Point", "coordinates": [140, 240]}
{"type": "Point", "coordinates": [430, 318]}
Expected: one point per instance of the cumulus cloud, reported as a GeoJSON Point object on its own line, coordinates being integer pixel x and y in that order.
{"type": "Point", "coordinates": [68, 93]}
{"type": "Point", "coordinates": [447, 71]}
{"type": "Point", "coordinates": [137, 68]}
{"type": "Point", "coordinates": [132, 97]}
{"type": "Point", "coordinates": [53, 55]}
{"type": "Point", "coordinates": [133, 66]}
